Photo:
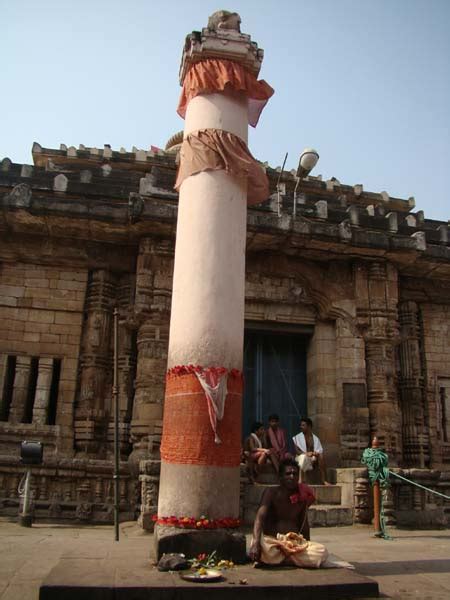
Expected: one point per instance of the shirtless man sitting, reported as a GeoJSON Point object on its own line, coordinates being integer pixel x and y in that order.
{"type": "Point", "coordinates": [281, 529]}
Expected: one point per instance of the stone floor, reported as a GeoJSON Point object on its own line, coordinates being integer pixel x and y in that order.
{"type": "Point", "coordinates": [415, 564]}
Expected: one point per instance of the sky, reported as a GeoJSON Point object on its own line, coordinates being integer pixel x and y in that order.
{"type": "Point", "coordinates": [364, 82]}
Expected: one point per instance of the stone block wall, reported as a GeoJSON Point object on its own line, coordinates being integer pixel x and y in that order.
{"type": "Point", "coordinates": [41, 315]}
{"type": "Point", "coordinates": [351, 391]}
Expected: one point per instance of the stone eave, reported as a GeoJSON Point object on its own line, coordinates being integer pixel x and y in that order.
{"type": "Point", "coordinates": [60, 215]}
{"type": "Point", "coordinates": [142, 161]}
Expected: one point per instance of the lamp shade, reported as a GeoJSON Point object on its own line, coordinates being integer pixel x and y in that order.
{"type": "Point", "coordinates": [307, 162]}
{"type": "Point", "coordinates": [31, 453]}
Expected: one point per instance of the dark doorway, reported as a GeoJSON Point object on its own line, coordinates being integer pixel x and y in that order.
{"type": "Point", "coordinates": [275, 379]}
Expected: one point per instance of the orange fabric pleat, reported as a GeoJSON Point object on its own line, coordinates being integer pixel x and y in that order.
{"type": "Point", "coordinates": [214, 75]}
{"type": "Point", "coordinates": [215, 149]}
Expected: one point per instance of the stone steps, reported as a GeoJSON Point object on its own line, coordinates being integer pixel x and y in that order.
{"type": "Point", "coordinates": [327, 511]}
{"type": "Point", "coordinates": [330, 515]}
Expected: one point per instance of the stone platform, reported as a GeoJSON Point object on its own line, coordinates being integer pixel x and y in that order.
{"type": "Point", "coordinates": [122, 579]}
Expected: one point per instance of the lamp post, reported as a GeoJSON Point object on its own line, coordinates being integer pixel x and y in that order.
{"type": "Point", "coordinates": [307, 161]}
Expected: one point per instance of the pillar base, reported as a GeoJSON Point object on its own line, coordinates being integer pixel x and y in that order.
{"type": "Point", "coordinates": [229, 544]}
{"type": "Point", "coordinates": [25, 520]}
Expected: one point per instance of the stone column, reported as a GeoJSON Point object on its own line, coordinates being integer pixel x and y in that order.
{"type": "Point", "coordinates": [95, 364]}
{"type": "Point", "coordinates": [43, 388]}
{"type": "Point", "coordinates": [415, 433]}
{"type": "Point", "coordinates": [200, 464]}
{"type": "Point", "coordinates": [381, 338]}
{"type": "Point", "coordinates": [20, 390]}
{"type": "Point", "coordinates": [4, 409]}
{"type": "Point", "coordinates": [151, 313]}
{"type": "Point", "coordinates": [126, 368]}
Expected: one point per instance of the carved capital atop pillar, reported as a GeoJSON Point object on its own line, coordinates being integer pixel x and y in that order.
{"type": "Point", "coordinates": [221, 39]}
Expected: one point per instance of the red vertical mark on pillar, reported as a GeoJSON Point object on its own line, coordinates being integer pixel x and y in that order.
{"type": "Point", "coordinates": [187, 434]}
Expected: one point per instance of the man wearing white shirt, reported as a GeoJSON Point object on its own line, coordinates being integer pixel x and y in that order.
{"type": "Point", "coordinates": [309, 451]}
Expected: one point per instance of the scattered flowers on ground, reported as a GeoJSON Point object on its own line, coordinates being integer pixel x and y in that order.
{"type": "Point", "coordinates": [204, 561]}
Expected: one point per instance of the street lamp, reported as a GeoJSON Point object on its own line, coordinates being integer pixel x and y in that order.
{"type": "Point", "coordinates": [307, 161]}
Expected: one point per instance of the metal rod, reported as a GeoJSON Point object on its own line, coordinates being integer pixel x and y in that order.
{"type": "Point", "coordinates": [294, 212]}
{"type": "Point", "coordinates": [278, 186]}
{"type": "Point", "coordinates": [115, 394]}
{"type": "Point", "coordinates": [26, 517]}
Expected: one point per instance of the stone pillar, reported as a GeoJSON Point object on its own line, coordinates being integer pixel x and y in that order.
{"type": "Point", "coordinates": [4, 409]}
{"type": "Point", "coordinates": [20, 390]}
{"type": "Point", "coordinates": [351, 382]}
{"type": "Point", "coordinates": [152, 307]}
{"type": "Point", "coordinates": [200, 450]}
{"type": "Point", "coordinates": [323, 407]}
{"type": "Point", "coordinates": [126, 368]}
{"type": "Point", "coordinates": [381, 338]}
{"type": "Point", "coordinates": [95, 364]}
{"type": "Point", "coordinates": [43, 388]}
{"type": "Point", "coordinates": [411, 384]}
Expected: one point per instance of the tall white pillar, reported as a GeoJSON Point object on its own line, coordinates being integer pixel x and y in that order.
{"type": "Point", "coordinates": [199, 473]}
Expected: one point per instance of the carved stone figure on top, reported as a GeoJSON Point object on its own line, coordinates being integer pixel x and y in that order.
{"type": "Point", "coordinates": [224, 19]}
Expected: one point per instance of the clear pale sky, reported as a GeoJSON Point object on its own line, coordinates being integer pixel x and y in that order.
{"type": "Point", "coordinates": [365, 82]}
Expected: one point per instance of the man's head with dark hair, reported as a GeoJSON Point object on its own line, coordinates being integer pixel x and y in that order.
{"type": "Point", "coordinates": [305, 424]}
{"type": "Point", "coordinates": [274, 421]}
{"type": "Point", "coordinates": [256, 425]}
{"type": "Point", "coordinates": [289, 472]}
{"type": "Point", "coordinates": [287, 462]}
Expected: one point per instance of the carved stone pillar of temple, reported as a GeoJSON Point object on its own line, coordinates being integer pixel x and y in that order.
{"type": "Point", "coordinates": [151, 310]}
{"type": "Point", "coordinates": [126, 367]}
{"type": "Point", "coordinates": [415, 434]}
{"type": "Point", "coordinates": [95, 363]}
{"type": "Point", "coordinates": [381, 338]}
{"type": "Point", "coordinates": [43, 389]}
{"type": "Point", "coordinates": [21, 389]}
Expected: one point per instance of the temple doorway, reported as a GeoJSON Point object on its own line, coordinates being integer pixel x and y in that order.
{"type": "Point", "coordinates": [274, 378]}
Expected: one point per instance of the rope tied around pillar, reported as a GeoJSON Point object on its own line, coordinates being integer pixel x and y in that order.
{"type": "Point", "coordinates": [376, 461]}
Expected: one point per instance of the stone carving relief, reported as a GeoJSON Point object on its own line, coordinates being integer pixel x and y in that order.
{"type": "Point", "coordinates": [20, 196]}
{"type": "Point", "coordinates": [223, 19]}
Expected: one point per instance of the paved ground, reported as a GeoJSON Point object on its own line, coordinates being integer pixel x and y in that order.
{"type": "Point", "coordinates": [415, 564]}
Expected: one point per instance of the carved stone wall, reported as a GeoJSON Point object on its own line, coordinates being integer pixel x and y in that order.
{"type": "Point", "coordinates": [351, 384]}
{"type": "Point", "coordinates": [151, 315]}
{"type": "Point", "coordinates": [435, 320]}
{"type": "Point", "coordinates": [67, 491]}
{"type": "Point", "coordinates": [95, 364]}
{"type": "Point", "coordinates": [377, 296]}
{"type": "Point", "coordinates": [416, 447]}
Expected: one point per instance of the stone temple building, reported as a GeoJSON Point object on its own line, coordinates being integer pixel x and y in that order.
{"type": "Point", "coordinates": [347, 321]}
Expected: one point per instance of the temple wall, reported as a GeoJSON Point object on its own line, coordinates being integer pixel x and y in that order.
{"type": "Point", "coordinates": [41, 314]}
{"type": "Point", "coordinates": [436, 352]}
{"type": "Point", "coordinates": [351, 394]}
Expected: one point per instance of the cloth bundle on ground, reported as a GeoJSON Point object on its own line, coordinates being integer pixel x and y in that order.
{"type": "Point", "coordinates": [173, 562]}
{"type": "Point", "coordinates": [292, 549]}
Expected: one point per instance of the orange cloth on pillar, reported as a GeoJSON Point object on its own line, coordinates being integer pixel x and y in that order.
{"type": "Point", "coordinates": [215, 149]}
{"type": "Point", "coordinates": [214, 75]}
